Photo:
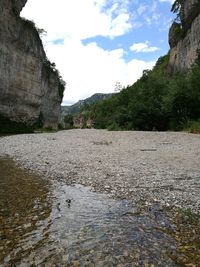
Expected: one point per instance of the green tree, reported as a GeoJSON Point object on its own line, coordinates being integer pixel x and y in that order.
{"type": "Point", "coordinates": [176, 8]}
{"type": "Point", "coordinates": [69, 123]}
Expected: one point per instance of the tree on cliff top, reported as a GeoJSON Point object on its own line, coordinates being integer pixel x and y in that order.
{"type": "Point", "coordinates": [176, 8]}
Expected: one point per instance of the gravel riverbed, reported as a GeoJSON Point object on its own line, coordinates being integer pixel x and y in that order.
{"type": "Point", "coordinates": [143, 167]}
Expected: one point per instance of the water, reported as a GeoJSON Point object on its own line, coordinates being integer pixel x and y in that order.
{"type": "Point", "coordinates": [51, 224]}
{"type": "Point", "coordinates": [24, 212]}
{"type": "Point", "coordinates": [96, 230]}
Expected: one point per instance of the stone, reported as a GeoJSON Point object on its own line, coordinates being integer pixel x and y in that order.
{"type": "Point", "coordinates": [30, 87]}
{"type": "Point", "coordinates": [183, 52]}
{"type": "Point", "coordinates": [189, 11]}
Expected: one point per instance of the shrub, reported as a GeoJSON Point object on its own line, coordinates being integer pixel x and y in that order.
{"type": "Point", "coordinates": [49, 69]}
{"type": "Point", "coordinates": [113, 127]}
{"type": "Point", "coordinates": [68, 120]}
{"type": "Point", "coordinates": [12, 127]}
{"type": "Point", "coordinates": [193, 127]}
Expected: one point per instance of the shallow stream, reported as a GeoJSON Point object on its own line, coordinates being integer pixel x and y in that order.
{"type": "Point", "coordinates": [46, 223]}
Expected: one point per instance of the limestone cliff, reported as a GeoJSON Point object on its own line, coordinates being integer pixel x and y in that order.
{"type": "Point", "coordinates": [184, 37]}
{"type": "Point", "coordinates": [31, 89]}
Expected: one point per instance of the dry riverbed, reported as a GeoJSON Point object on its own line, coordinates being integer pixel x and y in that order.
{"type": "Point", "coordinates": [142, 166]}
{"type": "Point", "coordinates": [144, 216]}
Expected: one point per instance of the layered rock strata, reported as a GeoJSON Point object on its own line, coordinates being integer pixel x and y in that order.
{"type": "Point", "coordinates": [31, 89]}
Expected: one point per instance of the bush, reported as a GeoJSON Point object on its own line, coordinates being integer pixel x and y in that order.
{"type": "Point", "coordinates": [12, 127]}
{"type": "Point", "coordinates": [113, 127]}
{"type": "Point", "coordinates": [193, 127]}
{"type": "Point", "coordinates": [49, 69]}
{"type": "Point", "coordinates": [68, 120]}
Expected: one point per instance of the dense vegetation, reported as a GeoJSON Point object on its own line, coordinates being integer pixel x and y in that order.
{"type": "Point", "coordinates": [157, 101]}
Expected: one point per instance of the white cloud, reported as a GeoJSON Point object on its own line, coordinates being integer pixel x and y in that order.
{"type": "Point", "coordinates": [87, 69]}
{"type": "Point", "coordinates": [143, 48]}
{"type": "Point", "coordinates": [77, 18]}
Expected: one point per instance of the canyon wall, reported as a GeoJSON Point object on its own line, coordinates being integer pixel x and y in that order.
{"type": "Point", "coordinates": [184, 37]}
{"type": "Point", "coordinates": [31, 89]}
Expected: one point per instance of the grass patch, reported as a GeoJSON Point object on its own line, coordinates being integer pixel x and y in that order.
{"type": "Point", "coordinates": [194, 127]}
{"type": "Point", "coordinates": [45, 130]}
{"type": "Point", "coordinates": [114, 127]}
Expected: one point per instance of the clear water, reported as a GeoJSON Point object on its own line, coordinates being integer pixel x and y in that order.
{"type": "Point", "coordinates": [45, 224]}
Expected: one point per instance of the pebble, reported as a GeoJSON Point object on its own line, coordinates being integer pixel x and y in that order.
{"type": "Point", "coordinates": [72, 156]}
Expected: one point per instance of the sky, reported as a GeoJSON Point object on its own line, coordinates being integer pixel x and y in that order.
{"type": "Point", "coordinates": [97, 44]}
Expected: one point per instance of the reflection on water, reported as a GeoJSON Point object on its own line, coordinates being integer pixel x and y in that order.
{"type": "Point", "coordinates": [59, 225]}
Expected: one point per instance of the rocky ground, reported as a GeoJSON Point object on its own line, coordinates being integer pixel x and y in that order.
{"type": "Point", "coordinates": [141, 166]}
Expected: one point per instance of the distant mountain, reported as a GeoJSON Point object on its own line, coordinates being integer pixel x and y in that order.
{"type": "Point", "coordinates": [76, 108]}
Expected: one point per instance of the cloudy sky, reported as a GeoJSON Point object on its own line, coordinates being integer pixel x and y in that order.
{"type": "Point", "coordinates": [98, 43]}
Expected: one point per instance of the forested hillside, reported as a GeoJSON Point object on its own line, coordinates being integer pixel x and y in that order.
{"type": "Point", "coordinates": [77, 107]}
{"type": "Point", "coordinates": [157, 101]}
{"type": "Point", "coordinates": [167, 97]}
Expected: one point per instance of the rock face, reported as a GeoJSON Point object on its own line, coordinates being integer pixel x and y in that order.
{"type": "Point", "coordinates": [184, 39]}
{"type": "Point", "coordinates": [30, 88]}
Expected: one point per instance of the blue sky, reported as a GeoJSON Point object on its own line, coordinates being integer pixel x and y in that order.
{"type": "Point", "coordinates": [96, 43]}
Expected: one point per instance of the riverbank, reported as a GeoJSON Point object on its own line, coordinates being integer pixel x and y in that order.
{"type": "Point", "coordinates": [143, 167]}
